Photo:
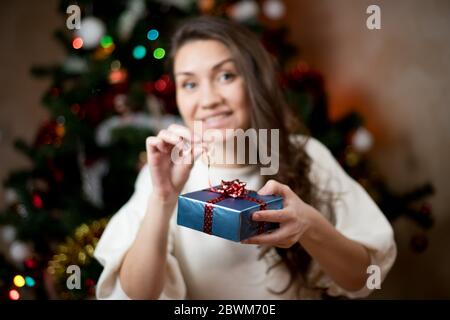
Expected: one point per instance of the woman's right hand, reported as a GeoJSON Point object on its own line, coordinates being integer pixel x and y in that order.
{"type": "Point", "coordinates": [171, 155]}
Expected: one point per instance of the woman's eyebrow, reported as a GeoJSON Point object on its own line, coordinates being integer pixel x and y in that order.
{"type": "Point", "coordinates": [216, 66]}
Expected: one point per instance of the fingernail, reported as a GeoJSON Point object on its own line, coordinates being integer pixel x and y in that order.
{"type": "Point", "coordinates": [256, 216]}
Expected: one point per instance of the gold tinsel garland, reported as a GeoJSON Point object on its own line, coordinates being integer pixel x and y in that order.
{"type": "Point", "coordinates": [78, 250]}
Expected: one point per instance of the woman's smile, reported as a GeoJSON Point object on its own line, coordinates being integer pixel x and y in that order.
{"type": "Point", "coordinates": [217, 120]}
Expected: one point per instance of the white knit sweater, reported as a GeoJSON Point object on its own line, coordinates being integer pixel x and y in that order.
{"type": "Point", "coordinates": [202, 266]}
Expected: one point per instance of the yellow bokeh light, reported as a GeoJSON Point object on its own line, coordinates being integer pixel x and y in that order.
{"type": "Point", "coordinates": [19, 281]}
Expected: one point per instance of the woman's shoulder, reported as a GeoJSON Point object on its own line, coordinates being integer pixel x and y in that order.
{"type": "Point", "coordinates": [313, 147]}
{"type": "Point", "coordinates": [325, 169]}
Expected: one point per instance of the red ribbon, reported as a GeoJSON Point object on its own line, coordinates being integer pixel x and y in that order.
{"type": "Point", "coordinates": [229, 189]}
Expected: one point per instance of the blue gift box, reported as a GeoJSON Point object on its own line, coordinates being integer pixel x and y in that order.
{"type": "Point", "coordinates": [231, 217]}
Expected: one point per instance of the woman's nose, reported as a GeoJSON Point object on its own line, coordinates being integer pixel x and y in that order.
{"type": "Point", "coordinates": [209, 98]}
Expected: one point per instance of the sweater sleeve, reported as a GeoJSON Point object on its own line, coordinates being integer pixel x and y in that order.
{"type": "Point", "coordinates": [118, 237]}
{"type": "Point", "coordinates": [356, 216]}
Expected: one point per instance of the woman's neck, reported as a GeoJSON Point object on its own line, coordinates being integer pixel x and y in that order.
{"type": "Point", "coordinates": [207, 161]}
{"type": "Point", "coordinates": [227, 158]}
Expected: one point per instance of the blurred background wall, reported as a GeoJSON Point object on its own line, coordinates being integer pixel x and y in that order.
{"type": "Point", "coordinates": [396, 77]}
{"type": "Point", "coordinates": [26, 33]}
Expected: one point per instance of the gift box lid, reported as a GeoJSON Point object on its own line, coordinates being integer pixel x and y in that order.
{"type": "Point", "coordinates": [229, 203]}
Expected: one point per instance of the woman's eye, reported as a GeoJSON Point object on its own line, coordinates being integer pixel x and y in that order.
{"type": "Point", "coordinates": [189, 85]}
{"type": "Point", "coordinates": [226, 76]}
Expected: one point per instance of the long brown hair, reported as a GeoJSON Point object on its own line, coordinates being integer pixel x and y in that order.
{"type": "Point", "coordinates": [269, 110]}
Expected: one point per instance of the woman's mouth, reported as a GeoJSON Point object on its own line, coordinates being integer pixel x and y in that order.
{"type": "Point", "coordinates": [217, 120]}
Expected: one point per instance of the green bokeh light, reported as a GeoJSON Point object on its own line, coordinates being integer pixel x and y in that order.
{"type": "Point", "coordinates": [159, 53]}
{"type": "Point", "coordinates": [106, 41]}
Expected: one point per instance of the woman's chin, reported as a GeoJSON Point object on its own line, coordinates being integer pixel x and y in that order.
{"type": "Point", "coordinates": [220, 134]}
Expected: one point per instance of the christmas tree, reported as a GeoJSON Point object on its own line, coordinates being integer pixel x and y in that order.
{"type": "Point", "coordinates": [110, 93]}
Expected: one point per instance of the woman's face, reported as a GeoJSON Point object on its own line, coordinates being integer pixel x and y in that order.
{"type": "Point", "coordinates": [209, 87]}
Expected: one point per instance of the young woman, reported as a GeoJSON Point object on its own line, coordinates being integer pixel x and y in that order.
{"type": "Point", "coordinates": [330, 230]}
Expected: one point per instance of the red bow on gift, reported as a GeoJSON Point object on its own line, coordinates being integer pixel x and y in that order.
{"type": "Point", "coordinates": [234, 188]}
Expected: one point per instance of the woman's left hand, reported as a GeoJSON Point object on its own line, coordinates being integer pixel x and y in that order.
{"type": "Point", "coordinates": [295, 218]}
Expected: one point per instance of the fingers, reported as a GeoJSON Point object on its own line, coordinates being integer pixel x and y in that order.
{"type": "Point", "coordinates": [166, 139]}
{"type": "Point", "coordinates": [188, 155]}
{"type": "Point", "coordinates": [274, 187]}
{"type": "Point", "coordinates": [156, 144]}
{"type": "Point", "coordinates": [184, 132]}
{"type": "Point", "coordinates": [271, 216]}
{"type": "Point", "coordinates": [169, 137]}
{"type": "Point", "coordinates": [175, 135]}
{"type": "Point", "coordinates": [267, 238]}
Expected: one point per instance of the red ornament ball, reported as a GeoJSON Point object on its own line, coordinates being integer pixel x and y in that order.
{"type": "Point", "coordinates": [37, 201]}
